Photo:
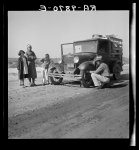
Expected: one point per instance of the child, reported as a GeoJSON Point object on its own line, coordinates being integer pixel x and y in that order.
{"type": "Point", "coordinates": [22, 66]}
{"type": "Point", "coordinates": [46, 62]}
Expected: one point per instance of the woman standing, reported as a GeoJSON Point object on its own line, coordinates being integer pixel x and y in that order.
{"type": "Point", "coordinates": [31, 57]}
{"type": "Point", "coordinates": [22, 66]}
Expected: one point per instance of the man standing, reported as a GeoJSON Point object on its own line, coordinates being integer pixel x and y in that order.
{"type": "Point", "coordinates": [31, 57]}
{"type": "Point", "coordinates": [102, 74]}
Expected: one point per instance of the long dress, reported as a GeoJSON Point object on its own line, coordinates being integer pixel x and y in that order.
{"type": "Point", "coordinates": [31, 57]}
{"type": "Point", "coordinates": [22, 67]}
{"type": "Point", "coordinates": [25, 65]}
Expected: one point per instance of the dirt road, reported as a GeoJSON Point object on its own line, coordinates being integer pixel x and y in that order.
{"type": "Point", "coordinates": [68, 111]}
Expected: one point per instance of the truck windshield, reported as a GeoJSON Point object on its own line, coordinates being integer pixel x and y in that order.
{"type": "Point", "coordinates": [86, 46]}
{"type": "Point", "coordinates": [68, 49]}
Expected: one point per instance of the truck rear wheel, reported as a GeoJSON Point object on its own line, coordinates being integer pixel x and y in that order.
{"type": "Point", "coordinates": [86, 80]}
{"type": "Point", "coordinates": [116, 71]}
{"type": "Point", "coordinates": [55, 80]}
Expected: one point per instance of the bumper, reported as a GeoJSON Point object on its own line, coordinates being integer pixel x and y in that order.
{"type": "Point", "coordinates": [67, 76]}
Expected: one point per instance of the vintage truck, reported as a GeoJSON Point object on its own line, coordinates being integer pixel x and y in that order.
{"type": "Point", "coordinates": [77, 64]}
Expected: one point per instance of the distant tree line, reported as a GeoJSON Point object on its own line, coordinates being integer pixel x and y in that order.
{"type": "Point", "coordinates": [12, 62]}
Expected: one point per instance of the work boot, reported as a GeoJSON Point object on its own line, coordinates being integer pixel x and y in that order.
{"type": "Point", "coordinates": [100, 87]}
{"type": "Point", "coordinates": [103, 85]}
{"type": "Point", "coordinates": [21, 83]}
{"type": "Point", "coordinates": [43, 84]}
{"type": "Point", "coordinates": [33, 82]}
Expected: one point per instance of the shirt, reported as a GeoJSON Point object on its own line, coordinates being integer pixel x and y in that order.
{"type": "Point", "coordinates": [103, 70]}
{"type": "Point", "coordinates": [46, 63]}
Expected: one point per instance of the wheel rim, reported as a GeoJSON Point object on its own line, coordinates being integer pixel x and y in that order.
{"type": "Point", "coordinates": [56, 78]}
{"type": "Point", "coordinates": [87, 78]}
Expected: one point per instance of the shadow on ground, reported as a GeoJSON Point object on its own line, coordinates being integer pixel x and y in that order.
{"type": "Point", "coordinates": [39, 85]}
{"type": "Point", "coordinates": [113, 84]}
{"type": "Point", "coordinates": [117, 85]}
{"type": "Point", "coordinates": [123, 77]}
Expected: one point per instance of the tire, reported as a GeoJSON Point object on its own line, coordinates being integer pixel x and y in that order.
{"type": "Point", "coordinates": [55, 80]}
{"type": "Point", "coordinates": [86, 80]}
{"type": "Point", "coordinates": [116, 71]}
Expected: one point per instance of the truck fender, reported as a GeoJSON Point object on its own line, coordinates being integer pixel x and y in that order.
{"type": "Point", "coordinates": [51, 68]}
{"type": "Point", "coordinates": [86, 65]}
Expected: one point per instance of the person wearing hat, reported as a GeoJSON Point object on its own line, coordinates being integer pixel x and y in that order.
{"type": "Point", "coordinates": [31, 57]}
{"type": "Point", "coordinates": [22, 66]}
{"type": "Point", "coordinates": [101, 75]}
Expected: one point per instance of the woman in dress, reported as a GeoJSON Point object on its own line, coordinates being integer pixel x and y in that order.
{"type": "Point", "coordinates": [31, 57]}
{"type": "Point", "coordinates": [22, 66]}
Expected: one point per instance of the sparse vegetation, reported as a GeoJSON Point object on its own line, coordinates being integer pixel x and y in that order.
{"type": "Point", "coordinates": [125, 60]}
{"type": "Point", "coordinates": [12, 62]}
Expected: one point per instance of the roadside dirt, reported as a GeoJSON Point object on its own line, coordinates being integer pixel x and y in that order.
{"type": "Point", "coordinates": [68, 111]}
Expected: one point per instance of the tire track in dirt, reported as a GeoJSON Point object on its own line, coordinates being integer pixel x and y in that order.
{"type": "Point", "coordinates": [68, 116]}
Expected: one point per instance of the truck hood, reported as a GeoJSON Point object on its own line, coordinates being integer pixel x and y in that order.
{"type": "Point", "coordinates": [85, 56]}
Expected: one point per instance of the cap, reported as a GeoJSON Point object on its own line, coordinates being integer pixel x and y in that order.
{"type": "Point", "coordinates": [21, 51]}
{"type": "Point", "coordinates": [98, 58]}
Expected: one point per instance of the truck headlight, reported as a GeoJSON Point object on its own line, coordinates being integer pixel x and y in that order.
{"type": "Point", "coordinates": [76, 59]}
{"type": "Point", "coordinates": [60, 61]}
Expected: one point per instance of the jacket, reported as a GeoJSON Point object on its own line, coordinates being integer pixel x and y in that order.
{"type": "Point", "coordinates": [31, 57]}
{"type": "Point", "coordinates": [46, 63]}
{"type": "Point", "coordinates": [20, 67]}
{"type": "Point", "coordinates": [103, 70]}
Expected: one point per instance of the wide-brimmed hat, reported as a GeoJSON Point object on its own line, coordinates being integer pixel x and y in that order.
{"type": "Point", "coordinates": [98, 58]}
{"type": "Point", "coordinates": [21, 51]}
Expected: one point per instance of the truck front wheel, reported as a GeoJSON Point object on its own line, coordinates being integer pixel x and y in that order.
{"type": "Point", "coordinates": [86, 80]}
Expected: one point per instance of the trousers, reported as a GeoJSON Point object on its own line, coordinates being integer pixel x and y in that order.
{"type": "Point", "coordinates": [45, 75]}
{"type": "Point", "coordinates": [98, 79]}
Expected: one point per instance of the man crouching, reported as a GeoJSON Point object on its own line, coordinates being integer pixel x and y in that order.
{"type": "Point", "coordinates": [101, 76]}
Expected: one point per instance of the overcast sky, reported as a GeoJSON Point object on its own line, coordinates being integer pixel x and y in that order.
{"type": "Point", "coordinates": [46, 30]}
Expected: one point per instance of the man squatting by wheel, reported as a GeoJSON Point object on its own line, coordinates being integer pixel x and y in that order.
{"type": "Point", "coordinates": [101, 76]}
